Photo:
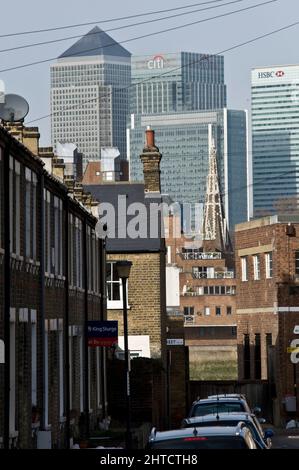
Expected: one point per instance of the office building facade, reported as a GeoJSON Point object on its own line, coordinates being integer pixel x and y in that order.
{"type": "Point", "coordinates": [184, 140]}
{"type": "Point", "coordinates": [275, 138]}
{"type": "Point", "coordinates": [178, 82]}
{"type": "Point", "coordinates": [90, 95]}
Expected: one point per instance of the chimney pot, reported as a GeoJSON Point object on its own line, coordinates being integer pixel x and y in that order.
{"type": "Point", "coordinates": [150, 137]}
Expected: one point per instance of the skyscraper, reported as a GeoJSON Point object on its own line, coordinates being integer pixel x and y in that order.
{"type": "Point", "coordinates": [275, 137]}
{"type": "Point", "coordinates": [184, 139]}
{"type": "Point", "coordinates": [183, 81]}
{"type": "Point", "coordinates": [90, 95]}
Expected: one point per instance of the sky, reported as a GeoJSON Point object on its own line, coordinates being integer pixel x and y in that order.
{"type": "Point", "coordinates": [210, 37]}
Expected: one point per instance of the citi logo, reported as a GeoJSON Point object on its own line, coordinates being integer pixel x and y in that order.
{"type": "Point", "coordinates": [156, 63]}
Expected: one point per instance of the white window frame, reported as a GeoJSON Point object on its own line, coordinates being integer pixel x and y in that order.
{"type": "Point", "coordinates": [207, 311]}
{"type": "Point", "coordinates": [33, 357]}
{"type": "Point", "coordinates": [244, 268]}
{"type": "Point", "coordinates": [61, 368]}
{"type": "Point", "coordinates": [117, 304]}
{"type": "Point", "coordinates": [98, 369]}
{"type": "Point", "coordinates": [46, 372]}
{"type": "Point", "coordinates": [269, 264]}
{"type": "Point", "coordinates": [256, 267]}
{"type": "Point", "coordinates": [12, 373]}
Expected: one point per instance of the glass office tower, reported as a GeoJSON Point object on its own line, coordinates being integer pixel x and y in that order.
{"type": "Point", "coordinates": [275, 138]}
{"type": "Point", "coordinates": [183, 81]}
{"type": "Point", "coordinates": [90, 95]}
{"type": "Point", "coordinates": [183, 140]}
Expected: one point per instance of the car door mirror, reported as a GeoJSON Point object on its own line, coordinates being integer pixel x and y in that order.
{"type": "Point", "coordinates": [256, 410]}
{"type": "Point", "coordinates": [262, 420]}
{"type": "Point", "coordinates": [268, 433]}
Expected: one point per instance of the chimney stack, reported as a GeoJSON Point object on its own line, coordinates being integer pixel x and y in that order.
{"type": "Point", "coordinates": [151, 158]}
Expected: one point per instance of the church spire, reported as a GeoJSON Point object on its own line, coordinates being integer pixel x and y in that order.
{"type": "Point", "coordinates": [215, 234]}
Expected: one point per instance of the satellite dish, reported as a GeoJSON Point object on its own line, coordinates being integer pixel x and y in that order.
{"type": "Point", "coordinates": [14, 109]}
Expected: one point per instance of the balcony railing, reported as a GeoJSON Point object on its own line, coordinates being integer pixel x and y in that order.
{"type": "Point", "coordinates": [189, 320]}
{"type": "Point", "coordinates": [200, 255]}
{"type": "Point", "coordinates": [210, 290]}
{"type": "Point", "coordinates": [217, 275]}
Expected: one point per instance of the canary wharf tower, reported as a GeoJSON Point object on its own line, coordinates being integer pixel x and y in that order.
{"type": "Point", "coordinates": [90, 95]}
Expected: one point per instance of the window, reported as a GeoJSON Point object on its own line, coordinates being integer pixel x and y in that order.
{"type": "Point", "coordinates": [228, 310]}
{"type": "Point", "coordinates": [14, 205]}
{"type": "Point", "coordinates": [297, 262]}
{"type": "Point", "coordinates": [244, 268]}
{"type": "Point", "coordinates": [218, 311]}
{"type": "Point", "coordinates": [114, 287]}
{"type": "Point", "coordinates": [33, 358]}
{"type": "Point", "coordinates": [188, 310]}
{"type": "Point", "coordinates": [269, 265]}
{"type": "Point", "coordinates": [207, 311]}
{"type": "Point", "coordinates": [30, 214]}
{"type": "Point", "coordinates": [246, 357]}
{"type": "Point", "coordinates": [256, 267]}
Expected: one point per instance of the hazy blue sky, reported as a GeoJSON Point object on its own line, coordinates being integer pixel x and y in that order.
{"type": "Point", "coordinates": [210, 37]}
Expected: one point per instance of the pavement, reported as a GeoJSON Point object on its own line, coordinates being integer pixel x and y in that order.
{"type": "Point", "coordinates": [285, 439]}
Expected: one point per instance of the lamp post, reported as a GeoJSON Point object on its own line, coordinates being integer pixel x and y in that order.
{"type": "Point", "coordinates": [123, 272]}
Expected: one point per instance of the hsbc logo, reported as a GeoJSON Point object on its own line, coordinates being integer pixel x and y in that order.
{"type": "Point", "coordinates": [156, 63]}
{"type": "Point", "coordinates": [278, 74]}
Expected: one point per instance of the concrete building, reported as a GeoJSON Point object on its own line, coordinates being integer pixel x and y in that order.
{"type": "Point", "coordinates": [179, 82]}
{"type": "Point", "coordinates": [90, 95]}
{"type": "Point", "coordinates": [47, 245]}
{"type": "Point", "coordinates": [275, 130]}
{"type": "Point", "coordinates": [185, 140]}
{"type": "Point", "coordinates": [267, 269]}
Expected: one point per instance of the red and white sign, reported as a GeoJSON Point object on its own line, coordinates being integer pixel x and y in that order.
{"type": "Point", "coordinates": [156, 63]}
{"type": "Point", "coordinates": [279, 73]}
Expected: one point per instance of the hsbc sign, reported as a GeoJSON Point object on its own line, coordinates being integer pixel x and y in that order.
{"type": "Point", "coordinates": [278, 74]}
{"type": "Point", "coordinates": [156, 62]}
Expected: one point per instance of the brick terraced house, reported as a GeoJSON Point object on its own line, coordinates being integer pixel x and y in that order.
{"type": "Point", "coordinates": [267, 269]}
{"type": "Point", "coordinates": [52, 387]}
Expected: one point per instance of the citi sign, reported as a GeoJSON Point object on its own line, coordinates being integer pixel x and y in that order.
{"type": "Point", "coordinates": [278, 74]}
{"type": "Point", "coordinates": [156, 63]}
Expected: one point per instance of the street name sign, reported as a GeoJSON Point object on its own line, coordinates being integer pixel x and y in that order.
{"type": "Point", "coordinates": [102, 333]}
{"type": "Point", "coordinates": [175, 342]}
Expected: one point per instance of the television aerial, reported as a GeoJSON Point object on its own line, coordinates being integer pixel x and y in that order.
{"type": "Point", "coordinates": [14, 109]}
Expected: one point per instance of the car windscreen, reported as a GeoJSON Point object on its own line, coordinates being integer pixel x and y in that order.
{"type": "Point", "coordinates": [213, 442]}
{"type": "Point", "coordinates": [203, 409]}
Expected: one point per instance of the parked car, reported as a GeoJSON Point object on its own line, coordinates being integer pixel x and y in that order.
{"type": "Point", "coordinates": [212, 437]}
{"type": "Point", "coordinates": [219, 405]}
{"type": "Point", "coordinates": [256, 410]}
{"type": "Point", "coordinates": [262, 438]}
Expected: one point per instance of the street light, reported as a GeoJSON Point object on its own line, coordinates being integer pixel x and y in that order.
{"type": "Point", "coordinates": [123, 271]}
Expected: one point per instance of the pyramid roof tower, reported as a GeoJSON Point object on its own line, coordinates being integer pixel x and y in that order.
{"type": "Point", "coordinates": [94, 43]}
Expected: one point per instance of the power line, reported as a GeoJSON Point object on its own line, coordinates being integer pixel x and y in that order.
{"type": "Point", "coordinates": [147, 35]}
{"type": "Point", "coordinates": [110, 20]}
{"type": "Point", "coordinates": [43, 43]}
{"type": "Point", "coordinates": [204, 58]}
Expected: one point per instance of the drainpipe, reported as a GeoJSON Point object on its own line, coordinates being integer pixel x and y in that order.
{"type": "Point", "coordinates": [42, 300]}
{"type": "Point", "coordinates": [66, 323]}
{"type": "Point", "coordinates": [7, 279]}
{"type": "Point", "coordinates": [103, 317]}
{"type": "Point", "coordinates": [86, 365]}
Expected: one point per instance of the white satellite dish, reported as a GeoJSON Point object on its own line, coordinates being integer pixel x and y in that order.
{"type": "Point", "coordinates": [14, 108]}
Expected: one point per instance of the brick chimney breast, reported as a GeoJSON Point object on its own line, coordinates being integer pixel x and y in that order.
{"type": "Point", "coordinates": [151, 158]}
